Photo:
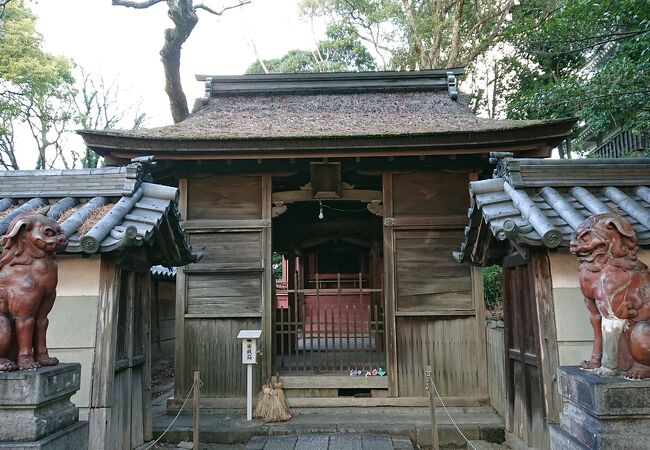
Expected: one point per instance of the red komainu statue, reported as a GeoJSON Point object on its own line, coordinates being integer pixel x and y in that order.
{"type": "Point", "coordinates": [28, 278]}
{"type": "Point", "coordinates": [616, 287]}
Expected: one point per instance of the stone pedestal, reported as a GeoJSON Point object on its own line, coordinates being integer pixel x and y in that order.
{"type": "Point", "coordinates": [601, 413]}
{"type": "Point", "coordinates": [36, 412]}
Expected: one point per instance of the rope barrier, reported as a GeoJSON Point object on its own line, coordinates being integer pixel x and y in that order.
{"type": "Point", "coordinates": [172, 422]}
{"type": "Point", "coordinates": [446, 410]}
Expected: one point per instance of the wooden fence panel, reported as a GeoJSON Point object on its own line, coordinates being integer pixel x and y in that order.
{"type": "Point", "coordinates": [496, 370]}
{"type": "Point", "coordinates": [212, 347]}
{"type": "Point", "coordinates": [448, 345]}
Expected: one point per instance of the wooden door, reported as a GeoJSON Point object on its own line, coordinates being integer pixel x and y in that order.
{"type": "Point", "coordinates": [228, 218]}
{"type": "Point", "coordinates": [130, 419]}
{"type": "Point", "coordinates": [531, 352]}
{"type": "Point", "coordinates": [434, 306]}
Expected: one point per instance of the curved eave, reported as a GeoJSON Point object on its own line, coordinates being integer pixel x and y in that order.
{"type": "Point", "coordinates": [533, 140]}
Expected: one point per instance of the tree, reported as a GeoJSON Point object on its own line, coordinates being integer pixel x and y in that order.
{"type": "Point", "coordinates": [585, 59]}
{"type": "Point", "coordinates": [420, 34]}
{"type": "Point", "coordinates": [183, 14]}
{"type": "Point", "coordinates": [35, 89]}
{"type": "Point", "coordinates": [38, 95]}
{"type": "Point", "coordinates": [98, 107]}
{"type": "Point", "coordinates": [341, 50]}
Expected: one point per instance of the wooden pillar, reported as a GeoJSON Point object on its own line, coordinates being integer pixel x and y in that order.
{"type": "Point", "coordinates": [103, 370]}
{"type": "Point", "coordinates": [389, 286]}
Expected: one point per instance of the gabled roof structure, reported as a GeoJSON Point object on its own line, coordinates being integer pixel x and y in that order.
{"type": "Point", "coordinates": [541, 202]}
{"type": "Point", "coordinates": [101, 210]}
{"type": "Point", "coordinates": [331, 114]}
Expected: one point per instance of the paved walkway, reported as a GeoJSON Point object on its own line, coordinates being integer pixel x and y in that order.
{"type": "Point", "coordinates": [338, 441]}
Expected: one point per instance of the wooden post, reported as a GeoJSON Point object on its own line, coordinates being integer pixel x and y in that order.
{"type": "Point", "coordinates": [435, 444]}
{"type": "Point", "coordinates": [195, 408]}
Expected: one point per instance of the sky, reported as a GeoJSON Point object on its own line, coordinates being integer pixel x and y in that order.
{"type": "Point", "coordinates": [123, 44]}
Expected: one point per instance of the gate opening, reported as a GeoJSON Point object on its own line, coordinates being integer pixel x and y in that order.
{"type": "Point", "coordinates": [328, 301]}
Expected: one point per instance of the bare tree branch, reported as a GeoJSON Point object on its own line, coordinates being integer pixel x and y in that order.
{"type": "Point", "coordinates": [223, 10]}
{"type": "Point", "coordinates": [183, 15]}
{"type": "Point", "coordinates": [3, 3]}
{"type": "Point", "coordinates": [136, 5]}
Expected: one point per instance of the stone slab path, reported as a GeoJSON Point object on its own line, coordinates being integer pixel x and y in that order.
{"type": "Point", "coordinates": [337, 441]}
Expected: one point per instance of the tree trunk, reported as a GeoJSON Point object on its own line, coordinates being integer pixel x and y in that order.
{"type": "Point", "coordinates": [185, 19]}
{"type": "Point", "coordinates": [455, 34]}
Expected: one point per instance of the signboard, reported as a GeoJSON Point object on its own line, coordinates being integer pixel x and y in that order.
{"type": "Point", "coordinates": [249, 351]}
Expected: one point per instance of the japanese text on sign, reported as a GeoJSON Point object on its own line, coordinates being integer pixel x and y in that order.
{"type": "Point", "coordinates": [249, 351]}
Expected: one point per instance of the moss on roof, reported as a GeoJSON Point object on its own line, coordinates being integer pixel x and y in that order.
{"type": "Point", "coordinates": [320, 116]}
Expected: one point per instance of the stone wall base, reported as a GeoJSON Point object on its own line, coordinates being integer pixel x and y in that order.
{"type": "Point", "coordinates": [601, 413]}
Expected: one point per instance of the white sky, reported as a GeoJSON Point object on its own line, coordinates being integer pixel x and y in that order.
{"type": "Point", "coordinates": [123, 43]}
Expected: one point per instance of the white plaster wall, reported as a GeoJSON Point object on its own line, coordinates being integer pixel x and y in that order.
{"type": "Point", "coordinates": [574, 332]}
{"type": "Point", "coordinates": [73, 320]}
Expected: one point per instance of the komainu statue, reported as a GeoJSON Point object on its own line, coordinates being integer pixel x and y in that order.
{"type": "Point", "coordinates": [616, 287]}
{"type": "Point", "coordinates": [28, 278]}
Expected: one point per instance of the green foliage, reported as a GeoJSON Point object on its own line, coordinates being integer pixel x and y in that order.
{"type": "Point", "coordinates": [276, 263]}
{"type": "Point", "coordinates": [581, 58]}
{"type": "Point", "coordinates": [38, 94]}
{"type": "Point", "coordinates": [419, 34]}
{"type": "Point", "coordinates": [340, 51]}
{"type": "Point", "coordinates": [36, 88]}
{"type": "Point", "coordinates": [493, 287]}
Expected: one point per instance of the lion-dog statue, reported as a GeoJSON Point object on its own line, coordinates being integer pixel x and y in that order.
{"type": "Point", "coordinates": [28, 279]}
{"type": "Point", "coordinates": [616, 288]}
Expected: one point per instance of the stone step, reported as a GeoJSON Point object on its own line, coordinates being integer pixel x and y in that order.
{"type": "Point", "coordinates": [336, 441]}
{"type": "Point", "coordinates": [232, 428]}
{"type": "Point", "coordinates": [484, 445]}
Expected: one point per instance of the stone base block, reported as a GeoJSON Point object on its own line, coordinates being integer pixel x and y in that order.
{"type": "Point", "coordinates": [73, 437]}
{"type": "Point", "coordinates": [36, 403]}
{"type": "Point", "coordinates": [602, 396]}
{"type": "Point", "coordinates": [560, 440]}
{"type": "Point", "coordinates": [601, 413]}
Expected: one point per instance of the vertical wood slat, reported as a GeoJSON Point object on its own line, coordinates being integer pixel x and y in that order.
{"type": "Point", "coordinates": [317, 320]}
{"type": "Point", "coordinates": [146, 393]}
{"type": "Point", "coordinates": [479, 305]}
{"type": "Point", "coordinates": [542, 293]}
{"type": "Point", "coordinates": [338, 303]}
{"type": "Point", "coordinates": [267, 264]}
{"type": "Point", "coordinates": [127, 374]}
{"type": "Point", "coordinates": [104, 359]}
{"type": "Point", "coordinates": [389, 291]}
{"type": "Point", "coordinates": [180, 382]}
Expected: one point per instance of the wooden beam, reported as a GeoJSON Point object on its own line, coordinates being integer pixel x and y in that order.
{"type": "Point", "coordinates": [390, 296]}
{"type": "Point", "coordinates": [181, 298]}
{"type": "Point", "coordinates": [101, 390]}
{"type": "Point", "coordinates": [267, 279]}
{"type": "Point", "coordinates": [359, 195]}
{"type": "Point", "coordinates": [333, 382]}
{"type": "Point", "coordinates": [339, 402]}
{"type": "Point", "coordinates": [539, 269]}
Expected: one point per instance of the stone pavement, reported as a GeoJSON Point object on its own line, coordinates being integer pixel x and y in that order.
{"type": "Point", "coordinates": [337, 441]}
{"type": "Point", "coordinates": [229, 426]}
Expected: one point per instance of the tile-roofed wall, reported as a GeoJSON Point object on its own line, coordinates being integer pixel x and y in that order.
{"type": "Point", "coordinates": [109, 181]}
{"type": "Point", "coordinates": [100, 210]}
{"type": "Point", "coordinates": [542, 202]}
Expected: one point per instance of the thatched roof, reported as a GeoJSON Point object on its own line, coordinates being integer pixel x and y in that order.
{"type": "Point", "coordinates": [368, 114]}
{"type": "Point", "coordinates": [298, 112]}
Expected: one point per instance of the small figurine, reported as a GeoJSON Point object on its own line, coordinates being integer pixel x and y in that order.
{"type": "Point", "coordinates": [28, 279]}
{"type": "Point", "coordinates": [616, 288]}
